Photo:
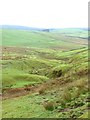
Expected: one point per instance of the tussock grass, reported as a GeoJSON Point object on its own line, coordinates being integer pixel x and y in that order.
{"type": "Point", "coordinates": [49, 105]}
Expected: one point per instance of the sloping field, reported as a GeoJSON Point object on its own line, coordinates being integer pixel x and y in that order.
{"type": "Point", "coordinates": [37, 39]}
{"type": "Point", "coordinates": [47, 84]}
{"type": "Point", "coordinates": [44, 75]}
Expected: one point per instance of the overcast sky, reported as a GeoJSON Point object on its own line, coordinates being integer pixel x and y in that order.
{"type": "Point", "coordinates": [45, 13]}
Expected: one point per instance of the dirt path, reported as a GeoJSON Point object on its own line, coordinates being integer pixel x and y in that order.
{"type": "Point", "coordinates": [17, 92]}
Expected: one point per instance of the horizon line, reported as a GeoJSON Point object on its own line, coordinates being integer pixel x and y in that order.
{"type": "Point", "coordinates": [43, 27]}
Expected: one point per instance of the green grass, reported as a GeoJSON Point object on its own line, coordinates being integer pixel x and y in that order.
{"type": "Point", "coordinates": [20, 79]}
{"type": "Point", "coordinates": [31, 106]}
{"type": "Point", "coordinates": [37, 58]}
{"type": "Point", "coordinates": [39, 40]}
{"type": "Point", "coordinates": [17, 73]}
{"type": "Point", "coordinates": [74, 32]}
{"type": "Point", "coordinates": [69, 96]}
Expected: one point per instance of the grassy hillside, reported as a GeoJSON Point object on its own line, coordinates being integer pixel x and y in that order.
{"type": "Point", "coordinates": [37, 39]}
{"type": "Point", "coordinates": [74, 32]}
{"type": "Point", "coordinates": [44, 75]}
{"type": "Point", "coordinates": [70, 87]}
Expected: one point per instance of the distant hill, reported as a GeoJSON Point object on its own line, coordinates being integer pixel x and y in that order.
{"type": "Point", "coordinates": [19, 27]}
{"type": "Point", "coordinates": [16, 27]}
{"type": "Point", "coordinates": [59, 39]}
{"type": "Point", "coordinates": [68, 32]}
